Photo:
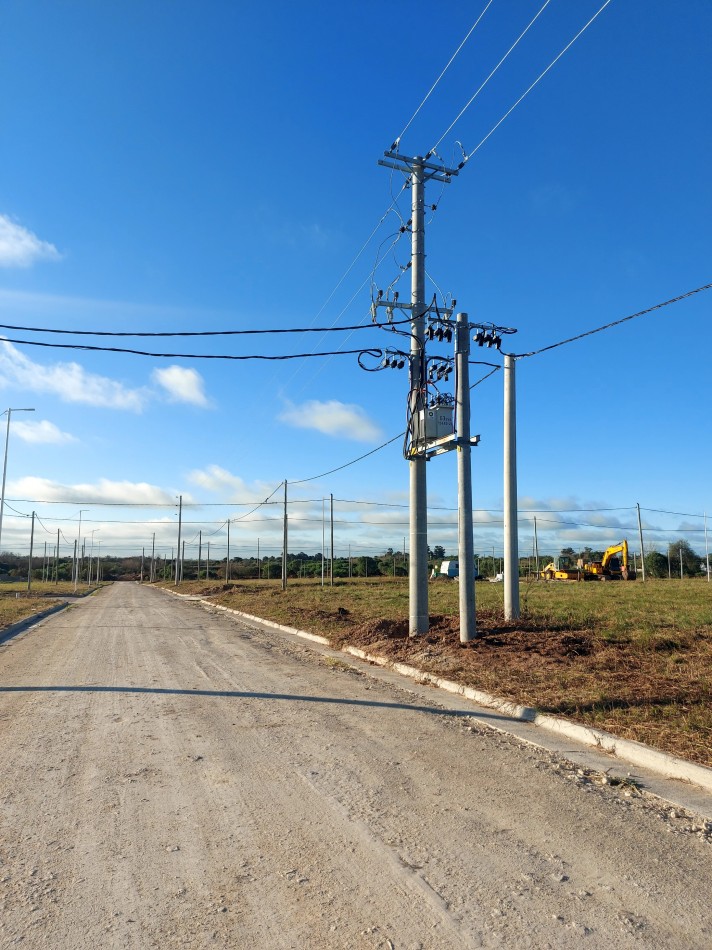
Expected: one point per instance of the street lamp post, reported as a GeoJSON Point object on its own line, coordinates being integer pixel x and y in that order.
{"type": "Point", "coordinates": [4, 467]}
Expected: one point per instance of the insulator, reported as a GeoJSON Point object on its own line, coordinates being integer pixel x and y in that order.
{"type": "Point", "coordinates": [395, 297]}
{"type": "Point", "coordinates": [497, 339]}
{"type": "Point", "coordinates": [479, 338]}
{"type": "Point", "coordinates": [439, 334]}
{"type": "Point", "coordinates": [380, 294]}
{"type": "Point", "coordinates": [448, 335]}
{"type": "Point", "coordinates": [394, 364]}
{"type": "Point", "coordinates": [431, 332]}
{"type": "Point", "coordinates": [387, 361]}
{"type": "Point", "coordinates": [401, 364]}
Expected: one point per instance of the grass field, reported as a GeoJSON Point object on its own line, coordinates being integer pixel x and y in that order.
{"type": "Point", "coordinates": [630, 658]}
{"type": "Point", "coordinates": [16, 604]}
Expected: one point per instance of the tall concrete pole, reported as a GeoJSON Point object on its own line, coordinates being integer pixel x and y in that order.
{"type": "Point", "coordinates": [331, 559]}
{"type": "Point", "coordinates": [707, 551]}
{"type": "Point", "coordinates": [153, 558]}
{"type": "Point", "coordinates": [200, 550]}
{"type": "Point", "coordinates": [511, 543]}
{"type": "Point", "coordinates": [419, 620]}
{"type": "Point", "coordinates": [642, 549]}
{"type": "Point", "coordinates": [4, 466]}
{"type": "Point", "coordinates": [227, 562]}
{"type": "Point", "coordinates": [466, 551]}
{"type": "Point", "coordinates": [284, 540]}
{"type": "Point", "coordinates": [32, 545]}
{"type": "Point", "coordinates": [180, 523]}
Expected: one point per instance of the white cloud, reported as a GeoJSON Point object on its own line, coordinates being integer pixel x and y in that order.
{"type": "Point", "coordinates": [70, 381]}
{"type": "Point", "coordinates": [43, 432]}
{"type": "Point", "coordinates": [341, 419]}
{"type": "Point", "coordinates": [182, 385]}
{"type": "Point", "coordinates": [20, 247]}
{"type": "Point", "coordinates": [104, 491]}
{"type": "Point", "coordinates": [219, 480]}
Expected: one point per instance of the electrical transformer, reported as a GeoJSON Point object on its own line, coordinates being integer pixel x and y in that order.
{"type": "Point", "coordinates": [435, 422]}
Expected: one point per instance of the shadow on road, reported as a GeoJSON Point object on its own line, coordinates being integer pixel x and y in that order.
{"type": "Point", "coordinates": [233, 694]}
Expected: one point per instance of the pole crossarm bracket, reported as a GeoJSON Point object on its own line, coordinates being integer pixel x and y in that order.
{"type": "Point", "coordinates": [446, 444]}
{"type": "Point", "coordinates": [404, 163]}
{"type": "Point", "coordinates": [392, 305]}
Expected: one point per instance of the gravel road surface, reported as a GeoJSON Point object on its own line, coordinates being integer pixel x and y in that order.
{"type": "Point", "coordinates": [171, 777]}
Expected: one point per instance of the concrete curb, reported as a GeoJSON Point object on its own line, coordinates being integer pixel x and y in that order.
{"type": "Point", "coordinates": [669, 766]}
{"type": "Point", "coordinates": [636, 753]}
{"type": "Point", "coordinates": [16, 628]}
{"type": "Point", "coordinates": [513, 710]}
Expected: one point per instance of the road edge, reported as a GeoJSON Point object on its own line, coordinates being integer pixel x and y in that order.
{"type": "Point", "coordinates": [21, 625]}
{"type": "Point", "coordinates": [628, 750]}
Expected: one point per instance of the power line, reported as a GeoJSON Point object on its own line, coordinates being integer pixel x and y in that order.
{"type": "Point", "coordinates": [314, 478]}
{"type": "Point", "coordinates": [472, 99]}
{"type": "Point", "coordinates": [192, 333]}
{"type": "Point", "coordinates": [191, 356]}
{"type": "Point", "coordinates": [394, 146]}
{"type": "Point", "coordinates": [536, 81]}
{"type": "Point", "coordinates": [614, 323]}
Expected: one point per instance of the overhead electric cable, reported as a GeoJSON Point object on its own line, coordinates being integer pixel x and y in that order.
{"type": "Point", "coordinates": [192, 333]}
{"type": "Point", "coordinates": [189, 356]}
{"type": "Point", "coordinates": [536, 81]}
{"type": "Point", "coordinates": [449, 63]}
{"type": "Point", "coordinates": [472, 99]}
{"type": "Point", "coordinates": [614, 323]}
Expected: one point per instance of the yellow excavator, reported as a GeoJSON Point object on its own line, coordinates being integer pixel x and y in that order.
{"type": "Point", "coordinates": [613, 566]}
{"type": "Point", "coordinates": [562, 568]}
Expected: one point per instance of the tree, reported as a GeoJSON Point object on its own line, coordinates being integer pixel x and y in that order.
{"type": "Point", "coordinates": [656, 564]}
{"type": "Point", "coordinates": [438, 552]}
{"type": "Point", "coordinates": [690, 560]}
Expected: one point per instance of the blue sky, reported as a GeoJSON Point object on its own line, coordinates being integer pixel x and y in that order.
{"type": "Point", "coordinates": [175, 166]}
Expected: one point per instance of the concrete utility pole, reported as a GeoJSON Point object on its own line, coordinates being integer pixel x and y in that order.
{"type": "Point", "coordinates": [180, 522]}
{"type": "Point", "coordinates": [227, 561]}
{"type": "Point", "coordinates": [642, 549]}
{"type": "Point", "coordinates": [707, 551]}
{"type": "Point", "coordinates": [153, 558]}
{"type": "Point", "coordinates": [285, 539]}
{"type": "Point", "coordinates": [331, 561]}
{"type": "Point", "coordinates": [32, 545]}
{"type": "Point", "coordinates": [419, 619]}
{"type": "Point", "coordinates": [323, 538]}
{"type": "Point", "coordinates": [420, 171]}
{"type": "Point", "coordinates": [536, 549]}
{"type": "Point", "coordinates": [56, 561]}
{"type": "Point", "coordinates": [200, 550]}
{"type": "Point", "coordinates": [466, 551]}
{"type": "Point", "coordinates": [4, 467]}
{"type": "Point", "coordinates": [511, 542]}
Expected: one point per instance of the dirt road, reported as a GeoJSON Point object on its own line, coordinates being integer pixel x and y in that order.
{"type": "Point", "coordinates": [171, 778]}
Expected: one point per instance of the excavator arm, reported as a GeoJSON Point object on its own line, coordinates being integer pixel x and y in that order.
{"type": "Point", "coordinates": [621, 549]}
